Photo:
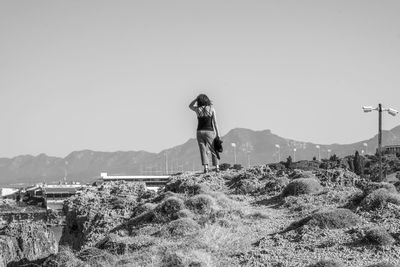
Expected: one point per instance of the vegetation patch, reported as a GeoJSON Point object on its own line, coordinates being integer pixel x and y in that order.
{"type": "Point", "coordinates": [201, 204]}
{"type": "Point", "coordinates": [118, 245]}
{"type": "Point", "coordinates": [181, 258]}
{"type": "Point", "coordinates": [96, 257]}
{"type": "Point", "coordinates": [182, 227]}
{"type": "Point", "coordinates": [65, 257]}
{"type": "Point", "coordinates": [378, 236]}
{"type": "Point", "coordinates": [302, 186]}
{"type": "Point", "coordinates": [382, 264]}
{"type": "Point", "coordinates": [379, 199]}
{"type": "Point", "coordinates": [326, 263]}
{"type": "Point", "coordinates": [276, 184]}
{"type": "Point", "coordinates": [331, 219]}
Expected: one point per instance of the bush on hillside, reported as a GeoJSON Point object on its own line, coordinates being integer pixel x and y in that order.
{"type": "Point", "coordinates": [170, 206]}
{"type": "Point", "coordinates": [331, 219]}
{"type": "Point", "coordinates": [325, 263]}
{"type": "Point", "coordinates": [185, 213]}
{"type": "Point", "coordinates": [146, 207]}
{"type": "Point", "coordinates": [65, 257]}
{"type": "Point", "coordinates": [382, 264]}
{"type": "Point", "coordinates": [224, 166]}
{"type": "Point", "coordinates": [302, 186]}
{"type": "Point", "coordinates": [96, 257]}
{"type": "Point", "coordinates": [334, 219]}
{"type": "Point", "coordinates": [118, 245]}
{"type": "Point", "coordinates": [369, 187]}
{"type": "Point", "coordinates": [378, 236]}
{"type": "Point", "coordinates": [276, 184]}
{"type": "Point", "coordinates": [379, 199]}
{"type": "Point", "coordinates": [181, 227]}
{"type": "Point", "coordinates": [296, 174]}
{"type": "Point", "coordinates": [237, 167]}
{"type": "Point", "coordinates": [201, 204]}
{"type": "Point", "coordinates": [193, 258]}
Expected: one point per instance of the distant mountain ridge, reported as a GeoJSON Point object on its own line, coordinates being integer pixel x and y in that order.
{"type": "Point", "coordinates": [258, 147]}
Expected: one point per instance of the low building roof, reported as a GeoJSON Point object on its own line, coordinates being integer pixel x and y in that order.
{"type": "Point", "coordinates": [60, 190]}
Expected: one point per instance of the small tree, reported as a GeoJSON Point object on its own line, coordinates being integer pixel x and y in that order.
{"type": "Point", "coordinates": [334, 158]}
{"type": "Point", "coordinates": [358, 164]}
{"type": "Point", "coordinates": [289, 162]}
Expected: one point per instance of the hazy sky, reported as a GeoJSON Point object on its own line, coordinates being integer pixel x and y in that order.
{"type": "Point", "coordinates": [119, 75]}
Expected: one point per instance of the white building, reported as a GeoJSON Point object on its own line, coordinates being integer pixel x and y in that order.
{"type": "Point", "coordinates": [8, 192]}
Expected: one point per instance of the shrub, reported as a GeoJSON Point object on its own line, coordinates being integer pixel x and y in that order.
{"type": "Point", "coordinates": [201, 204]}
{"type": "Point", "coordinates": [65, 257]}
{"type": "Point", "coordinates": [170, 206]}
{"type": "Point", "coordinates": [369, 187]}
{"type": "Point", "coordinates": [276, 184]}
{"type": "Point", "coordinates": [224, 166]}
{"type": "Point", "coordinates": [248, 186]}
{"type": "Point", "coordinates": [185, 213]}
{"type": "Point", "coordinates": [122, 245]}
{"type": "Point", "coordinates": [173, 259]}
{"type": "Point", "coordinates": [182, 227]}
{"type": "Point", "coordinates": [325, 263]}
{"type": "Point", "coordinates": [302, 186]}
{"type": "Point", "coordinates": [382, 264]}
{"type": "Point", "coordinates": [237, 167]}
{"type": "Point", "coordinates": [146, 207]}
{"type": "Point", "coordinates": [193, 258]}
{"type": "Point", "coordinates": [296, 174]}
{"type": "Point", "coordinates": [332, 219]}
{"type": "Point", "coordinates": [379, 236]}
{"type": "Point", "coordinates": [96, 257]}
{"type": "Point", "coordinates": [379, 199]}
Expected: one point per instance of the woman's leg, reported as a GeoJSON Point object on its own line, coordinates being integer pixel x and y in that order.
{"type": "Point", "coordinates": [203, 149]}
{"type": "Point", "coordinates": [209, 138]}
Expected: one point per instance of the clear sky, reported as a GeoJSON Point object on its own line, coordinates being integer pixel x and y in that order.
{"type": "Point", "coordinates": [119, 75]}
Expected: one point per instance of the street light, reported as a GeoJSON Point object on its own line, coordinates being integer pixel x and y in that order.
{"type": "Point", "coordinates": [166, 162]}
{"type": "Point", "coordinates": [65, 171]}
{"type": "Point", "coordinates": [392, 112]}
{"type": "Point", "coordinates": [319, 152]}
{"type": "Point", "coordinates": [366, 148]}
{"type": "Point", "coordinates": [294, 154]}
{"type": "Point", "coordinates": [234, 151]}
{"type": "Point", "coordinates": [279, 152]}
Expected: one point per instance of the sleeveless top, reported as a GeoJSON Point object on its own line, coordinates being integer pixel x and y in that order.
{"type": "Point", "coordinates": [204, 117]}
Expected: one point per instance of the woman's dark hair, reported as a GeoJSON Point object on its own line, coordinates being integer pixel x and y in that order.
{"type": "Point", "coordinates": [203, 100]}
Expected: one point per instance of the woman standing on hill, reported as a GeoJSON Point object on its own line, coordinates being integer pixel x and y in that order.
{"type": "Point", "coordinates": [207, 129]}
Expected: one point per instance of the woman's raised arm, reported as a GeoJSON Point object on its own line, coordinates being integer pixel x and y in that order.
{"type": "Point", "coordinates": [192, 105]}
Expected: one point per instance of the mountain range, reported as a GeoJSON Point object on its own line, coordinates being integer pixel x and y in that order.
{"type": "Point", "coordinates": [251, 147]}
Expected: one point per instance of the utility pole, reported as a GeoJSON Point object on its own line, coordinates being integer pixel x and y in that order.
{"type": "Point", "coordinates": [380, 142]}
{"type": "Point", "coordinates": [392, 112]}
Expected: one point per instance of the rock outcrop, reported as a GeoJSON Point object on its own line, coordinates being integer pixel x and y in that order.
{"type": "Point", "coordinates": [90, 216]}
{"type": "Point", "coordinates": [25, 242]}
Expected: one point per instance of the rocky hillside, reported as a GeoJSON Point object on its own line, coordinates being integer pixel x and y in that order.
{"type": "Point", "coordinates": [25, 243]}
{"type": "Point", "coordinates": [263, 216]}
{"type": "Point", "coordinates": [256, 146]}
